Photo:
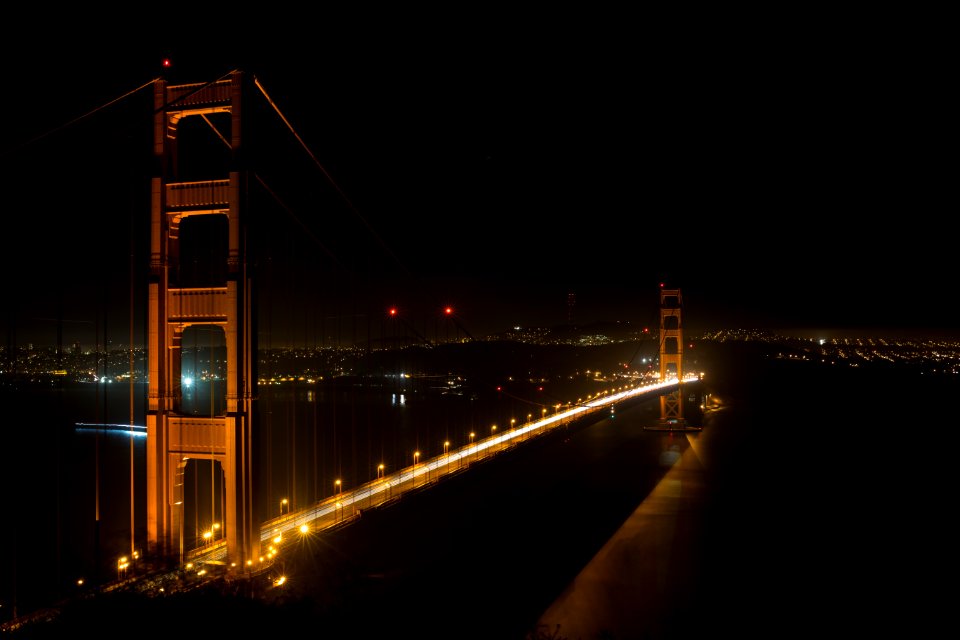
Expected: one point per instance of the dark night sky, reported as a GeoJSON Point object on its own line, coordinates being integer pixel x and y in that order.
{"type": "Point", "coordinates": [785, 180]}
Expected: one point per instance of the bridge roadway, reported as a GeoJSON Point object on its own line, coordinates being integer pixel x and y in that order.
{"type": "Point", "coordinates": [350, 503]}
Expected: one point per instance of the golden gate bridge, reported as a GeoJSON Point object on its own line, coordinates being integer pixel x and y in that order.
{"type": "Point", "coordinates": [205, 299]}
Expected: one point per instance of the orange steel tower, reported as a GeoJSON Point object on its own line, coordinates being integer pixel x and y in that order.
{"type": "Point", "coordinates": [192, 213]}
{"type": "Point", "coordinates": [671, 355]}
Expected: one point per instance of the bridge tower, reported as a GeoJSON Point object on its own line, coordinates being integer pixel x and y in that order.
{"type": "Point", "coordinates": [671, 356]}
{"type": "Point", "coordinates": [198, 204]}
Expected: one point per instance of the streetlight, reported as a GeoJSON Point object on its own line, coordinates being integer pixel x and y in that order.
{"type": "Point", "coordinates": [416, 457]}
{"type": "Point", "coordinates": [122, 565]}
{"type": "Point", "coordinates": [283, 503]}
{"type": "Point", "coordinates": [380, 471]}
{"type": "Point", "coordinates": [472, 434]}
{"type": "Point", "coordinates": [336, 485]}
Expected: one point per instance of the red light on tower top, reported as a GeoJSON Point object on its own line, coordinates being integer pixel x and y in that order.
{"type": "Point", "coordinates": [166, 63]}
{"type": "Point", "coordinates": [448, 310]}
{"type": "Point", "coordinates": [393, 311]}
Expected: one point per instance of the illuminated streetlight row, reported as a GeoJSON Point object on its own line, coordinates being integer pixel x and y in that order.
{"type": "Point", "coordinates": [595, 401]}
{"type": "Point", "coordinates": [367, 492]}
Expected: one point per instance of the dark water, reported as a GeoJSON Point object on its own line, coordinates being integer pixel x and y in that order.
{"type": "Point", "coordinates": [57, 480]}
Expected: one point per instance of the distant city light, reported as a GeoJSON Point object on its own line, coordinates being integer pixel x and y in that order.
{"type": "Point", "coordinates": [188, 381]}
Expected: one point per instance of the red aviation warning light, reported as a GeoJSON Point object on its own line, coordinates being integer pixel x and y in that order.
{"type": "Point", "coordinates": [166, 63]}
{"type": "Point", "coordinates": [448, 311]}
{"type": "Point", "coordinates": [393, 311]}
